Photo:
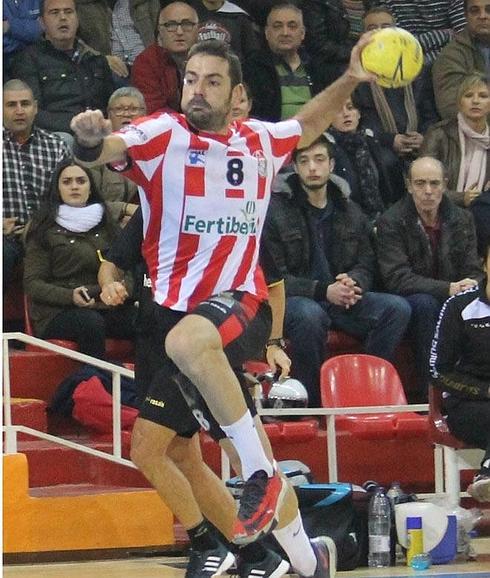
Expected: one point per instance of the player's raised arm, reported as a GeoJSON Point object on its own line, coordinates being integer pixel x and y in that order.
{"type": "Point", "coordinates": [317, 114]}
{"type": "Point", "coordinates": [94, 143]}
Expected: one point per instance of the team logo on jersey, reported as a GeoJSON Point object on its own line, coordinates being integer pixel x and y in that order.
{"type": "Point", "coordinates": [195, 158]}
{"type": "Point", "coordinates": [135, 130]}
{"type": "Point", "coordinates": [261, 163]}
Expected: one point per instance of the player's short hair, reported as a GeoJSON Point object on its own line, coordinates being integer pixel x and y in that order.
{"type": "Point", "coordinates": [321, 140]}
{"type": "Point", "coordinates": [214, 47]}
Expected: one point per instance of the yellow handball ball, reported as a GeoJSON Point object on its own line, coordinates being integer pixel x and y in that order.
{"type": "Point", "coordinates": [394, 55]}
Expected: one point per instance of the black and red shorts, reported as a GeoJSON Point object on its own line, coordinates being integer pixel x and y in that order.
{"type": "Point", "coordinates": [244, 324]}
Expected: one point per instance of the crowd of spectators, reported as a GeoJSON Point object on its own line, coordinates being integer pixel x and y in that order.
{"type": "Point", "coordinates": [384, 214]}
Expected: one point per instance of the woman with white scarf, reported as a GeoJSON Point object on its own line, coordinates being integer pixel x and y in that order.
{"type": "Point", "coordinates": [462, 144]}
{"type": "Point", "coordinates": [64, 248]}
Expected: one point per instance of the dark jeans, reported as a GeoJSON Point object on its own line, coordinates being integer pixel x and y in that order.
{"type": "Point", "coordinates": [379, 319]}
{"type": "Point", "coordinates": [425, 314]}
{"type": "Point", "coordinates": [469, 421]}
{"type": "Point", "coordinates": [90, 327]}
{"type": "Point", "coordinates": [13, 253]}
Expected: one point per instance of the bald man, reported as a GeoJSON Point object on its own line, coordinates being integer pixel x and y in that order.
{"type": "Point", "coordinates": [157, 71]}
{"type": "Point", "coordinates": [427, 252]}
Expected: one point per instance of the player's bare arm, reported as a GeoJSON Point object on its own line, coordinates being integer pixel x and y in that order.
{"type": "Point", "coordinates": [317, 114]}
{"type": "Point", "coordinates": [275, 355]}
{"type": "Point", "coordinates": [95, 145]}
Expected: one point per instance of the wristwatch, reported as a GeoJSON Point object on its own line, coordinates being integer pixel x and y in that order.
{"type": "Point", "coordinates": [278, 341]}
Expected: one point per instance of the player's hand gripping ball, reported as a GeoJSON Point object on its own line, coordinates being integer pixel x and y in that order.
{"type": "Point", "coordinates": [394, 55]}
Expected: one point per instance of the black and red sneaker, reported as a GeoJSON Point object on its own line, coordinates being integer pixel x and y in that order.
{"type": "Point", "coordinates": [259, 506]}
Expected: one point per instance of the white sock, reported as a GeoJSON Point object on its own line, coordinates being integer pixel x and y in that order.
{"type": "Point", "coordinates": [245, 438]}
{"type": "Point", "coordinates": [296, 544]}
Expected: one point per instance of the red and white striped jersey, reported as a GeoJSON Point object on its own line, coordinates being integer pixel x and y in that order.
{"type": "Point", "coordinates": [204, 199]}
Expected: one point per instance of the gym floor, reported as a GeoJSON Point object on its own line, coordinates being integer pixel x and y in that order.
{"type": "Point", "coordinates": [174, 567]}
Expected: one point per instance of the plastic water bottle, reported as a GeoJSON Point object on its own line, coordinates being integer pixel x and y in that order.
{"type": "Point", "coordinates": [396, 496]}
{"type": "Point", "coordinates": [379, 525]}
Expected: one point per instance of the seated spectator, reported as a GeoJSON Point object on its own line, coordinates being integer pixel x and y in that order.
{"type": "Point", "coordinates": [157, 71]}
{"type": "Point", "coordinates": [227, 22]}
{"type": "Point", "coordinates": [64, 249]}
{"type": "Point", "coordinates": [432, 23]}
{"type": "Point", "coordinates": [280, 76]}
{"type": "Point", "coordinates": [466, 53]}
{"type": "Point", "coordinates": [460, 366]}
{"type": "Point", "coordinates": [65, 76]}
{"type": "Point", "coordinates": [119, 193]}
{"type": "Point", "coordinates": [120, 28]}
{"type": "Point", "coordinates": [30, 156]}
{"type": "Point", "coordinates": [462, 144]}
{"type": "Point", "coordinates": [398, 116]}
{"type": "Point", "coordinates": [242, 110]}
{"type": "Point", "coordinates": [321, 244]}
{"type": "Point", "coordinates": [21, 27]}
{"type": "Point", "coordinates": [359, 160]}
{"type": "Point", "coordinates": [426, 248]}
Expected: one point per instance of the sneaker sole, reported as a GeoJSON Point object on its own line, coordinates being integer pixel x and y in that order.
{"type": "Point", "coordinates": [225, 565]}
{"type": "Point", "coordinates": [247, 539]}
{"type": "Point", "coordinates": [281, 570]}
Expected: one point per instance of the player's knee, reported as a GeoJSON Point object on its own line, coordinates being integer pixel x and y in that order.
{"type": "Point", "coordinates": [145, 448]}
{"type": "Point", "coordinates": [178, 345]}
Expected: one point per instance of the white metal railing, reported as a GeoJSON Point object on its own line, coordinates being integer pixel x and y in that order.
{"type": "Point", "coordinates": [11, 430]}
{"type": "Point", "coordinates": [116, 371]}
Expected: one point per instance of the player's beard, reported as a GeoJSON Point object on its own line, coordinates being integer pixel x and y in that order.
{"type": "Point", "coordinates": [206, 117]}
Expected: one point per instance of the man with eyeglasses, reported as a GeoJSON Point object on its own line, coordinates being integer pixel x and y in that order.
{"type": "Point", "coordinates": [427, 252]}
{"type": "Point", "coordinates": [468, 52]}
{"type": "Point", "coordinates": [157, 71]}
{"type": "Point", "coordinates": [124, 106]}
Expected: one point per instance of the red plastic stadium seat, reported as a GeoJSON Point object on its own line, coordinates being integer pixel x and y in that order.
{"type": "Point", "coordinates": [365, 380]}
{"type": "Point", "coordinates": [438, 428]}
{"type": "Point", "coordinates": [116, 349]}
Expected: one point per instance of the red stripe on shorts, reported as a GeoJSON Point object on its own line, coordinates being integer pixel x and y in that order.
{"type": "Point", "coordinates": [232, 327]}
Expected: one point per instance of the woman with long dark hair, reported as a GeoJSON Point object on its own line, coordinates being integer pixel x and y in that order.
{"type": "Point", "coordinates": [64, 247]}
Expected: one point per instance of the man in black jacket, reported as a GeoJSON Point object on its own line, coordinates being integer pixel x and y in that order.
{"type": "Point", "coordinates": [280, 76]}
{"type": "Point", "coordinates": [426, 253]}
{"type": "Point", "coordinates": [321, 243]}
{"type": "Point", "coordinates": [460, 365]}
{"type": "Point", "coordinates": [65, 75]}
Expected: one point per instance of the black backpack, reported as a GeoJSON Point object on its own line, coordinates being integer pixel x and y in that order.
{"type": "Point", "coordinates": [336, 511]}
